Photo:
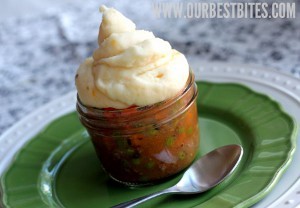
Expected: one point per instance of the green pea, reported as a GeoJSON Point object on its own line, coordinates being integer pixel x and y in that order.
{"type": "Point", "coordinates": [150, 164]}
{"type": "Point", "coordinates": [121, 143]}
{"type": "Point", "coordinates": [181, 130]}
{"type": "Point", "coordinates": [190, 130]}
{"type": "Point", "coordinates": [152, 132]}
{"type": "Point", "coordinates": [130, 151]}
{"type": "Point", "coordinates": [169, 141]}
{"type": "Point", "coordinates": [136, 161]}
{"type": "Point", "coordinates": [144, 178]}
{"type": "Point", "coordinates": [181, 155]}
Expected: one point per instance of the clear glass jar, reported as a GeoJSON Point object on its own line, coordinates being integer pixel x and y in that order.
{"type": "Point", "coordinates": [143, 145]}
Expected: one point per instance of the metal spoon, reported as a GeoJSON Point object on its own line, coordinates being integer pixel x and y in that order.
{"type": "Point", "coordinates": [204, 174]}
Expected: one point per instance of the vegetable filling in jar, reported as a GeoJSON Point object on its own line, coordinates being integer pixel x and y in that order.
{"type": "Point", "coordinates": [144, 145]}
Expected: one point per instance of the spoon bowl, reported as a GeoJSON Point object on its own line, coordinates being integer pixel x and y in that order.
{"type": "Point", "coordinates": [207, 172]}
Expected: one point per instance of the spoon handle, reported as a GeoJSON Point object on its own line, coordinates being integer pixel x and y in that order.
{"type": "Point", "coordinates": [140, 200]}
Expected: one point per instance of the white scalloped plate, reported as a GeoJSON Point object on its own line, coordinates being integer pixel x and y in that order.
{"type": "Point", "coordinates": [281, 87]}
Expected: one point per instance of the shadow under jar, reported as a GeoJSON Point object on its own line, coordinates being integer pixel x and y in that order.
{"type": "Point", "coordinates": [143, 145]}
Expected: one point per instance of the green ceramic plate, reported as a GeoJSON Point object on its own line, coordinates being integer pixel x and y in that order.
{"type": "Point", "coordinates": [58, 167]}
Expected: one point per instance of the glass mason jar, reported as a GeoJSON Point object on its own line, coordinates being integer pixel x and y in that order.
{"type": "Point", "coordinates": [143, 145]}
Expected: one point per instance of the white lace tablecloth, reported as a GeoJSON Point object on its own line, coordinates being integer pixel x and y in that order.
{"type": "Point", "coordinates": [39, 54]}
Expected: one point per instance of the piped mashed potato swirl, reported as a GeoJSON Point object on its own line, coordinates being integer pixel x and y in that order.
{"type": "Point", "coordinates": [130, 68]}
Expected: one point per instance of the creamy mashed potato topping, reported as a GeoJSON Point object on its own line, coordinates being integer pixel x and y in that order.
{"type": "Point", "coordinates": [130, 67]}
